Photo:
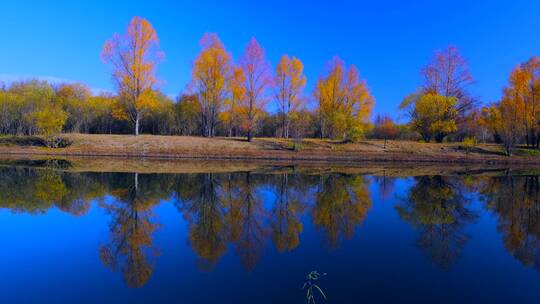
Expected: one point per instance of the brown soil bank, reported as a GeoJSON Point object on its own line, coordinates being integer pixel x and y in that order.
{"type": "Point", "coordinates": [153, 146]}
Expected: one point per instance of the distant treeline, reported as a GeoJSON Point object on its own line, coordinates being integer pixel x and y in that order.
{"type": "Point", "coordinates": [229, 97]}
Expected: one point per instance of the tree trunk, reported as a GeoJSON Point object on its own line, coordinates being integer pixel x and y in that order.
{"type": "Point", "coordinates": [249, 136]}
{"type": "Point", "coordinates": [426, 137]}
{"type": "Point", "coordinates": [287, 126]}
{"type": "Point", "coordinates": [439, 137]}
{"type": "Point", "coordinates": [137, 124]}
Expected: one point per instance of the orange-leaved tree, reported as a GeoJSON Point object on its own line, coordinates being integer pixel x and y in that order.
{"type": "Point", "coordinates": [385, 128]}
{"type": "Point", "coordinates": [257, 80]}
{"type": "Point", "coordinates": [289, 83]}
{"type": "Point", "coordinates": [511, 110]}
{"type": "Point", "coordinates": [133, 57]}
{"type": "Point", "coordinates": [527, 84]}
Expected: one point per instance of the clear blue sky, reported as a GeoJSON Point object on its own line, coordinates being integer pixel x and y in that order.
{"type": "Point", "coordinates": [389, 41]}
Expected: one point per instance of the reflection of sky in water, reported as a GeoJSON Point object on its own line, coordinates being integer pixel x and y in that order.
{"type": "Point", "coordinates": [55, 256]}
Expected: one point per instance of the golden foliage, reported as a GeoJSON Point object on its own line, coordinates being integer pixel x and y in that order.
{"type": "Point", "coordinates": [448, 75]}
{"type": "Point", "coordinates": [433, 116]}
{"type": "Point", "coordinates": [289, 83]}
{"type": "Point", "coordinates": [210, 72]}
{"type": "Point", "coordinates": [134, 57]}
{"type": "Point", "coordinates": [344, 100]}
{"type": "Point", "coordinates": [237, 93]}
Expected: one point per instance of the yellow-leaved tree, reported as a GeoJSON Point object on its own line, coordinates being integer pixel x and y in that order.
{"type": "Point", "coordinates": [344, 101]}
{"type": "Point", "coordinates": [133, 57]}
{"type": "Point", "coordinates": [210, 72]}
{"type": "Point", "coordinates": [237, 93]}
{"type": "Point", "coordinates": [289, 83]}
{"type": "Point", "coordinates": [448, 75]}
{"type": "Point", "coordinates": [74, 99]}
{"type": "Point", "coordinates": [432, 115]}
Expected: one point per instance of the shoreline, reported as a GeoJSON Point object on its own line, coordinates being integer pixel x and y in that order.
{"type": "Point", "coordinates": [233, 149]}
{"type": "Point", "coordinates": [89, 164]}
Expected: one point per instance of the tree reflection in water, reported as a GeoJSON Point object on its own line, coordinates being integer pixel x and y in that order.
{"type": "Point", "coordinates": [205, 212]}
{"type": "Point", "coordinates": [286, 212]}
{"type": "Point", "coordinates": [130, 247]}
{"type": "Point", "coordinates": [242, 211]}
{"type": "Point", "coordinates": [342, 203]}
{"type": "Point", "coordinates": [440, 211]}
{"type": "Point", "coordinates": [516, 202]}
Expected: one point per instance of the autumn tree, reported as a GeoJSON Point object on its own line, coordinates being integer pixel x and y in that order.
{"type": "Point", "coordinates": [385, 128]}
{"type": "Point", "coordinates": [160, 119]}
{"type": "Point", "coordinates": [187, 114]}
{"type": "Point", "coordinates": [511, 111]}
{"type": "Point", "coordinates": [101, 112]}
{"type": "Point", "coordinates": [525, 84]}
{"type": "Point", "coordinates": [30, 108]}
{"type": "Point", "coordinates": [74, 98]}
{"type": "Point", "coordinates": [490, 119]}
{"type": "Point", "coordinates": [133, 57]}
{"type": "Point", "coordinates": [237, 94]}
{"type": "Point", "coordinates": [289, 83]}
{"type": "Point", "coordinates": [432, 115]}
{"type": "Point", "coordinates": [344, 101]}
{"type": "Point", "coordinates": [257, 80]}
{"type": "Point", "coordinates": [210, 72]}
{"type": "Point", "coordinates": [49, 122]}
{"type": "Point", "coordinates": [448, 75]}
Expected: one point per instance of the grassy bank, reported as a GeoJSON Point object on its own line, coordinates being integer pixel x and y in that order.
{"type": "Point", "coordinates": [175, 165]}
{"type": "Point", "coordinates": [177, 147]}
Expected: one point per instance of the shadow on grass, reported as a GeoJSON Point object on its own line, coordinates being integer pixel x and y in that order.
{"type": "Point", "coordinates": [524, 151]}
{"type": "Point", "coordinates": [35, 141]}
{"type": "Point", "coordinates": [238, 139]}
{"type": "Point", "coordinates": [23, 141]}
{"type": "Point", "coordinates": [482, 151]}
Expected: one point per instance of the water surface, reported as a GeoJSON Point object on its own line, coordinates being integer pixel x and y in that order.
{"type": "Point", "coordinates": [253, 236]}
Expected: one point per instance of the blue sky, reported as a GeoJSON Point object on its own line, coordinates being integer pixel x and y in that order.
{"type": "Point", "coordinates": [389, 41]}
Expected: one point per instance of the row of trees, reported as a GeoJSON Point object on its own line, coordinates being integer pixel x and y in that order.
{"type": "Point", "coordinates": [516, 117]}
{"type": "Point", "coordinates": [233, 94]}
{"type": "Point", "coordinates": [229, 97]}
{"type": "Point", "coordinates": [443, 107]}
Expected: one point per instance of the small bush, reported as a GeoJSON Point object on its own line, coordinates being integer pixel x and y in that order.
{"type": "Point", "coordinates": [56, 142]}
{"type": "Point", "coordinates": [469, 143]}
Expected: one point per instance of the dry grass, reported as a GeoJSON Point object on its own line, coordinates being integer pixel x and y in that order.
{"type": "Point", "coordinates": [154, 146]}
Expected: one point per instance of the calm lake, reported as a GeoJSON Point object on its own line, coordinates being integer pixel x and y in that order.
{"type": "Point", "coordinates": [470, 236]}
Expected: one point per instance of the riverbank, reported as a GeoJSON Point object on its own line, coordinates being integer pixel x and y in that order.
{"type": "Point", "coordinates": [260, 149]}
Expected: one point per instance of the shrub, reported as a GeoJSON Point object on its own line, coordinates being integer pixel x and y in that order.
{"type": "Point", "coordinates": [469, 143]}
